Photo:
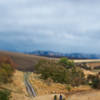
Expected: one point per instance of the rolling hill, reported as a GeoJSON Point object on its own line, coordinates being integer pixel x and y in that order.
{"type": "Point", "coordinates": [25, 62]}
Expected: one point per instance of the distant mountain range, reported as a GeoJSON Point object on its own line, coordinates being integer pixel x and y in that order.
{"type": "Point", "coordinates": [68, 55]}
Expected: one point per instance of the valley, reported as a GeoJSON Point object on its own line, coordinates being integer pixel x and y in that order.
{"type": "Point", "coordinates": [27, 85]}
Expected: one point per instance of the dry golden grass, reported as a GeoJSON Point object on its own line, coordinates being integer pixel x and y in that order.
{"type": "Point", "coordinates": [17, 87]}
{"type": "Point", "coordinates": [44, 90]}
{"type": "Point", "coordinates": [87, 72]}
{"type": "Point", "coordinates": [17, 84]}
{"type": "Point", "coordinates": [42, 87]}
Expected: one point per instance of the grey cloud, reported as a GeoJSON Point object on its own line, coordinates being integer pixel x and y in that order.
{"type": "Point", "coordinates": [61, 25]}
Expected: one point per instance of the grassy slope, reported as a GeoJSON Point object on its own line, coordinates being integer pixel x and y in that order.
{"type": "Point", "coordinates": [43, 88]}
{"type": "Point", "coordinates": [17, 87]}
{"type": "Point", "coordinates": [25, 62]}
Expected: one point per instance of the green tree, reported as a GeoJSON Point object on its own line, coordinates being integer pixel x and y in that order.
{"type": "Point", "coordinates": [66, 62]}
{"type": "Point", "coordinates": [50, 69]}
{"type": "Point", "coordinates": [58, 73]}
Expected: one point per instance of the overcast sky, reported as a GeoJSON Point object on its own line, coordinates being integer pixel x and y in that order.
{"type": "Point", "coordinates": [56, 25]}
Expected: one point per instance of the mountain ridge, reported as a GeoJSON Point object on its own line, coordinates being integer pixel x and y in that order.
{"type": "Point", "coordinates": [68, 55]}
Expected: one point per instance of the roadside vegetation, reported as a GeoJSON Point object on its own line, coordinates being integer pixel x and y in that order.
{"type": "Point", "coordinates": [66, 72]}
{"type": "Point", "coordinates": [63, 71]}
{"type": "Point", "coordinates": [94, 81]}
{"type": "Point", "coordinates": [4, 95]}
{"type": "Point", "coordinates": [7, 69]}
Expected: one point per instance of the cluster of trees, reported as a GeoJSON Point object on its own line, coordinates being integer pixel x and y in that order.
{"type": "Point", "coordinates": [63, 71]}
{"type": "Point", "coordinates": [7, 68]}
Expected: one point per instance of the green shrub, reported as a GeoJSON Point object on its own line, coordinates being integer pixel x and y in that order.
{"type": "Point", "coordinates": [77, 77]}
{"type": "Point", "coordinates": [60, 74]}
{"type": "Point", "coordinates": [4, 95]}
{"type": "Point", "coordinates": [68, 87]}
{"type": "Point", "coordinates": [49, 69]}
{"type": "Point", "coordinates": [94, 81]}
{"type": "Point", "coordinates": [6, 72]}
{"type": "Point", "coordinates": [66, 62]}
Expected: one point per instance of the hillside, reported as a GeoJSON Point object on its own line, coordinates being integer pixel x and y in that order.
{"type": "Point", "coordinates": [25, 62]}
{"type": "Point", "coordinates": [17, 87]}
{"type": "Point", "coordinates": [45, 89]}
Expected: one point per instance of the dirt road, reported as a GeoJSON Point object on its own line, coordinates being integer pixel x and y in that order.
{"type": "Point", "coordinates": [92, 95]}
{"type": "Point", "coordinates": [28, 85]}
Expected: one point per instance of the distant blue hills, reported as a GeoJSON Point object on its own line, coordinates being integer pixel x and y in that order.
{"type": "Point", "coordinates": [68, 55]}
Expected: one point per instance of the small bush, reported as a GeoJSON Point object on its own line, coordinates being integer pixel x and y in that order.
{"type": "Point", "coordinates": [94, 81]}
{"type": "Point", "coordinates": [68, 87]}
{"type": "Point", "coordinates": [6, 70]}
{"type": "Point", "coordinates": [49, 81]}
{"type": "Point", "coordinates": [4, 95]}
{"type": "Point", "coordinates": [77, 77]}
{"type": "Point", "coordinates": [66, 62]}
